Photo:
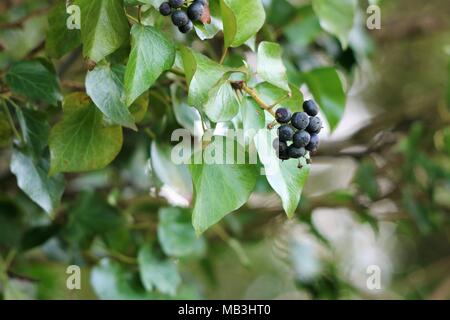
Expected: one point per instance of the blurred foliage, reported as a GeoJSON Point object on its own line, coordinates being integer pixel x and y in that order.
{"type": "Point", "coordinates": [378, 192]}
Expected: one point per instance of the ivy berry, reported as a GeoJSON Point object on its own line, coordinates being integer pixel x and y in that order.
{"type": "Point", "coordinates": [281, 148]}
{"type": "Point", "coordinates": [313, 143]}
{"type": "Point", "coordinates": [285, 133]}
{"type": "Point", "coordinates": [315, 125]}
{"type": "Point", "coordinates": [283, 115]}
{"type": "Point", "coordinates": [176, 3]}
{"type": "Point", "coordinates": [310, 108]}
{"type": "Point", "coordinates": [187, 27]}
{"type": "Point", "coordinates": [180, 18]}
{"type": "Point", "coordinates": [301, 139]}
{"type": "Point", "coordinates": [165, 9]}
{"type": "Point", "coordinates": [296, 153]}
{"type": "Point", "coordinates": [195, 10]}
{"type": "Point", "coordinates": [300, 120]}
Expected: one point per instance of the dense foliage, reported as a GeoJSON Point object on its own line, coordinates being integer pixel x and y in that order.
{"type": "Point", "coordinates": [87, 170]}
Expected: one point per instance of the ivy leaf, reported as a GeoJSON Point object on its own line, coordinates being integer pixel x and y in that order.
{"type": "Point", "coordinates": [32, 178]}
{"type": "Point", "coordinates": [202, 74]}
{"type": "Point", "coordinates": [81, 142]}
{"type": "Point", "coordinates": [151, 54]}
{"type": "Point", "coordinates": [336, 17]}
{"type": "Point", "coordinates": [60, 39]}
{"type": "Point", "coordinates": [326, 87]}
{"type": "Point", "coordinates": [175, 233]}
{"type": "Point", "coordinates": [158, 273]}
{"type": "Point", "coordinates": [34, 79]}
{"type": "Point", "coordinates": [104, 27]}
{"type": "Point", "coordinates": [174, 175]}
{"type": "Point", "coordinates": [241, 20]}
{"type": "Point", "coordinates": [220, 188]}
{"type": "Point", "coordinates": [223, 103]}
{"type": "Point", "coordinates": [104, 85]}
{"type": "Point", "coordinates": [252, 119]}
{"type": "Point", "coordinates": [113, 282]}
{"type": "Point", "coordinates": [286, 179]}
{"type": "Point", "coordinates": [35, 130]}
{"type": "Point", "coordinates": [270, 65]}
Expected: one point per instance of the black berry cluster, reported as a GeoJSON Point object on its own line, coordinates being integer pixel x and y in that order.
{"type": "Point", "coordinates": [298, 133]}
{"type": "Point", "coordinates": [183, 12]}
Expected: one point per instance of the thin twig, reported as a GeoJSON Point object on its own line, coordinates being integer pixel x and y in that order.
{"type": "Point", "coordinates": [252, 93]}
{"type": "Point", "coordinates": [132, 18]}
{"type": "Point", "coordinates": [224, 55]}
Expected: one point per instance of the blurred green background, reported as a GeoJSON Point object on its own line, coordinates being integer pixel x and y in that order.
{"type": "Point", "coordinates": [378, 195]}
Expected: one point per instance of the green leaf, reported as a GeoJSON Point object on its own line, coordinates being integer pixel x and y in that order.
{"type": "Point", "coordinates": [12, 223]}
{"type": "Point", "coordinates": [159, 273]}
{"type": "Point", "coordinates": [187, 116]}
{"type": "Point", "coordinates": [336, 17]}
{"type": "Point", "coordinates": [242, 19]}
{"type": "Point", "coordinates": [176, 234]}
{"type": "Point", "coordinates": [104, 27]}
{"type": "Point", "coordinates": [104, 85]}
{"type": "Point", "coordinates": [174, 175]}
{"type": "Point", "coordinates": [60, 39]}
{"type": "Point", "coordinates": [35, 130]}
{"type": "Point", "coordinates": [286, 179]}
{"type": "Point", "coordinates": [252, 119]}
{"type": "Point", "coordinates": [32, 178]}
{"type": "Point", "coordinates": [113, 282]}
{"type": "Point", "coordinates": [220, 188]}
{"type": "Point", "coordinates": [151, 54]}
{"type": "Point", "coordinates": [202, 74]}
{"type": "Point", "coordinates": [270, 65]}
{"type": "Point", "coordinates": [34, 79]}
{"type": "Point", "coordinates": [366, 179]}
{"type": "Point", "coordinates": [309, 25]}
{"type": "Point", "coordinates": [223, 103]}
{"type": "Point", "coordinates": [326, 87]}
{"type": "Point", "coordinates": [81, 142]}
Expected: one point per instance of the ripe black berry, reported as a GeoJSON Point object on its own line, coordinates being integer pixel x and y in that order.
{"type": "Point", "coordinates": [187, 27]}
{"type": "Point", "coordinates": [195, 11]}
{"type": "Point", "coordinates": [310, 108]}
{"type": "Point", "coordinates": [314, 143]}
{"type": "Point", "coordinates": [176, 3]}
{"type": "Point", "coordinates": [203, 2]}
{"type": "Point", "coordinates": [165, 9]}
{"type": "Point", "coordinates": [280, 147]}
{"type": "Point", "coordinates": [180, 18]}
{"type": "Point", "coordinates": [301, 139]}
{"type": "Point", "coordinates": [315, 125]}
{"type": "Point", "coordinates": [300, 120]}
{"type": "Point", "coordinates": [283, 115]}
{"type": "Point", "coordinates": [285, 133]}
{"type": "Point", "coordinates": [296, 153]}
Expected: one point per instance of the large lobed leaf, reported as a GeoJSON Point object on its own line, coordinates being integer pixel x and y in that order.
{"type": "Point", "coordinates": [151, 54]}
{"type": "Point", "coordinates": [81, 141]}
{"type": "Point", "coordinates": [104, 27]}
{"type": "Point", "coordinates": [220, 188]}
{"type": "Point", "coordinates": [242, 19]}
